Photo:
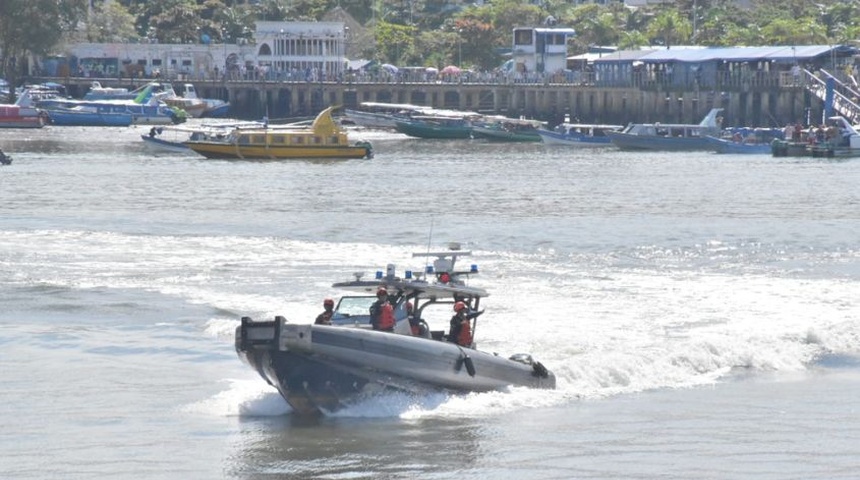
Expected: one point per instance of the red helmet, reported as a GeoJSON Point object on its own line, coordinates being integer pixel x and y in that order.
{"type": "Point", "coordinates": [381, 291]}
{"type": "Point", "coordinates": [459, 306]}
{"type": "Point", "coordinates": [328, 301]}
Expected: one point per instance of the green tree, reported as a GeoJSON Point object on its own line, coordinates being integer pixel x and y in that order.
{"type": "Point", "coordinates": [110, 22]}
{"type": "Point", "coordinates": [33, 27]}
{"type": "Point", "coordinates": [393, 41]}
{"type": "Point", "coordinates": [669, 28]}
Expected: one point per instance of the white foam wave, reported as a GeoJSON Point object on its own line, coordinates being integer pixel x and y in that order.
{"type": "Point", "coordinates": [243, 398]}
{"type": "Point", "coordinates": [606, 325]}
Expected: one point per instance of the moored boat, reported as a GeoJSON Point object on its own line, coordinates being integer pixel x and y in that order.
{"type": "Point", "coordinates": [435, 126]}
{"type": "Point", "coordinates": [743, 140]}
{"type": "Point", "coordinates": [324, 368]}
{"type": "Point", "coordinates": [386, 115]}
{"type": "Point", "coordinates": [22, 114]}
{"type": "Point", "coordinates": [668, 136]}
{"type": "Point", "coordinates": [144, 109]}
{"type": "Point", "coordinates": [506, 130]}
{"type": "Point", "coordinates": [322, 139]}
{"type": "Point", "coordinates": [578, 135]}
{"type": "Point", "coordinates": [837, 139]}
{"type": "Point", "coordinates": [173, 138]}
{"type": "Point", "coordinates": [89, 116]}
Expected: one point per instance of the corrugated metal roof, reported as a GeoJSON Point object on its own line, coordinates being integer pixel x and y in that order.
{"type": "Point", "coordinates": [780, 53]}
{"type": "Point", "coordinates": [624, 55]}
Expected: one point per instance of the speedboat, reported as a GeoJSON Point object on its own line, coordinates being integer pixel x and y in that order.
{"type": "Point", "coordinates": [324, 368]}
{"type": "Point", "coordinates": [668, 136]}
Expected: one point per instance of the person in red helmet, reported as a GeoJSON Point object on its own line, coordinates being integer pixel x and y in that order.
{"type": "Point", "coordinates": [325, 317]}
{"type": "Point", "coordinates": [381, 312]}
{"type": "Point", "coordinates": [461, 326]}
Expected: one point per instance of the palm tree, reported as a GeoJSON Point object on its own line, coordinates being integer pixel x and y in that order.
{"type": "Point", "coordinates": [670, 27]}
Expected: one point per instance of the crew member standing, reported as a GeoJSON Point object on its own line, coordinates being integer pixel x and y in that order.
{"type": "Point", "coordinates": [381, 312]}
{"type": "Point", "coordinates": [461, 326]}
{"type": "Point", "coordinates": [325, 317]}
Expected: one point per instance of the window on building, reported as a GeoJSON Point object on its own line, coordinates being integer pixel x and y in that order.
{"type": "Point", "coordinates": [523, 37]}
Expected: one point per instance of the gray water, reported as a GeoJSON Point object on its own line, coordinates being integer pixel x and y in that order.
{"type": "Point", "coordinates": [699, 310]}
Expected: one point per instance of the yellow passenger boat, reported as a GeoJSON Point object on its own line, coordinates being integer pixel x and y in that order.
{"type": "Point", "coordinates": [322, 139]}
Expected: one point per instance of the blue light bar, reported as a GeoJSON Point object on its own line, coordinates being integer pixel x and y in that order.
{"type": "Point", "coordinates": [429, 269]}
{"type": "Point", "coordinates": [474, 268]}
{"type": "Point", "coordinates": [408, 274]}
{"type": "Point", "coordinates": [379, 274]}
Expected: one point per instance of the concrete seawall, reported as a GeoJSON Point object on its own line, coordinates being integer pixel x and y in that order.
{"type": "Point", "coordinates": [768, 104]}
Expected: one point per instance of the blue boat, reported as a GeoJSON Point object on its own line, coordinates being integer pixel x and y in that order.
{"type": "Point", "coordinates": [668, 136]}
{"type": "Point", "coordinates": [578, 135]}
{"type": "Point", "coordinates": [141, 114]}
{"type": "Point", "coordinates": [744, 140]}
{"type": "Point", "coordinates": [144, 109]}
{"type": "Point", "coordinates": [89, 116]}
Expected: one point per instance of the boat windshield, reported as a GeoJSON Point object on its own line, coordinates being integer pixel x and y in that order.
{"type": "Point", "coordinates": [352, 306]}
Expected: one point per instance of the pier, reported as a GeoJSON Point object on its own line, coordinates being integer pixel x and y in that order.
{"type": "Point", "coordinates": [772, 99]}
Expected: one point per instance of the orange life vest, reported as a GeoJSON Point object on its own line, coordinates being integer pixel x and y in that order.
{"type": "Point", "coordinates": [386, 317]}
{"type": "Point", "coordinates": [464, 338]}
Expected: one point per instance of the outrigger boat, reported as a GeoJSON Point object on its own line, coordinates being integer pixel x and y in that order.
{"type": "Point", "coordinates": [323, 368]}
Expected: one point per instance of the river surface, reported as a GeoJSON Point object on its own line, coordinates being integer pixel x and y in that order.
{"type": "Point", "coordinates": [701, 311]}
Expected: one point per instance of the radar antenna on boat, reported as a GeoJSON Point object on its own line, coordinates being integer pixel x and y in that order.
{"type": "Point", "coordinates": [443, 265]}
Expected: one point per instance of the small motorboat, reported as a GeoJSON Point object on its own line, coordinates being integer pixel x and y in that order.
{"type": "Point", "coordinates": [324, 368]}
{"type": "Point", "coordinates": [5, 159]}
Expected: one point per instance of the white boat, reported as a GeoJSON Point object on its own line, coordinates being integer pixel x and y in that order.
{"type": "Point", "coordinates": [98, 92]}
{"type": "Point", "coordinates": [578, 135]}
{"type": "Point", "coordinates": [669, 136]}
{"type": "Point", "coordinates": [211, 107]}
{"type": "Point", "coordinates": [172, 138]}
{"type": "Point", "coordinates": [386, 115]}
{"type": "Point", "coordinates": [323, 368]}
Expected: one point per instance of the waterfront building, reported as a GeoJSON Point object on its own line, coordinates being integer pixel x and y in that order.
{"type": "Point", "coordinates": [314, 50]}
{"type": "Point", "coordinates": [283, 49]}
{"type": "Point", "coordinates": [540, 49]}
